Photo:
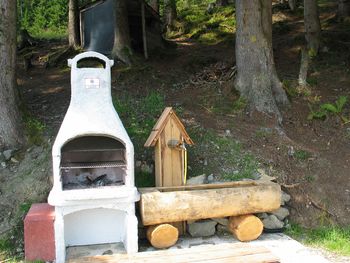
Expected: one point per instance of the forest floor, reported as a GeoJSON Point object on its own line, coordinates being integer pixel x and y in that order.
{"type": "Point", "coordinates": [310, 158]}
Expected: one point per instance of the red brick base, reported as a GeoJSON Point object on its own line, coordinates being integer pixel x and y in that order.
{"type": "Point", "coordinates": [39, 238]}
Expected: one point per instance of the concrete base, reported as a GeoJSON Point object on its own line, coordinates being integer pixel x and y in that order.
{"type": "Point", "coordinates": [39, 240]}
{"type": "Point", "coordinates": [95, 250]}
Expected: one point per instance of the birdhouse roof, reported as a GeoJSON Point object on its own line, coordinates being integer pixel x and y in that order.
{"type": "Point", "coordinates": [158, 128]}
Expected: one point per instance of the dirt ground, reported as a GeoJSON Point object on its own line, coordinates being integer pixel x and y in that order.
{"type": "Point", "coordinates": [311, 158]}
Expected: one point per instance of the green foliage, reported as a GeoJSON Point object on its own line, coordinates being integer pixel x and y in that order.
{"type": "Point", "coordinates": [34, 129]}
{"type": "Point", "coordinates": [302, 155]}
{"type": "Point", "coordinates": [239, 104]}
{"type": "Point", "coordinates": [144, 179]}
{"type": "Point", "coordinates": [332, 238]}
{"type": "Point", "coordinates": [208, 28]}
{"type": "Point", "coordinates": [43, 18]}
{"type": "Point", "coordinates": [329, 108]}
{"type": "Point", "coordinates": [139, 114]}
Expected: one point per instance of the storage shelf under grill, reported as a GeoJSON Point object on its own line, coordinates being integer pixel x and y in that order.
{"type": "Point", "coordinates": [93, 165]}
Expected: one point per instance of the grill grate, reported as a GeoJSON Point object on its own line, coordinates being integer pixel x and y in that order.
{"type": "Point", "coordinates": [93, 165]}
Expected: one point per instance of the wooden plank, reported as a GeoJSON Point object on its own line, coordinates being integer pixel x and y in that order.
{"type": "Point", "coordinates": [164, 207]}
{"type": "Point", "coordinates": [229, 252]}
{"type": "Point", "coordinates": [176, 157]}
{"type": "Point", "coordinates": [158, 127]}
{"type": "Point", "coordinates": [158, 163]}
{"type": "Point", "coordinates": [167, 156]}
{"type": "Point", "coordinates": [200, 186]}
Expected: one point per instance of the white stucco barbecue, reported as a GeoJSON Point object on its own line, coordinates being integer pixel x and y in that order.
{"type": "Point", "coordinates": [102, 213]}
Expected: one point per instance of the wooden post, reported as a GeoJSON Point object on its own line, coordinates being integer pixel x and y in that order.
{"type": "Point", "coordinates": [144, 33]}
{"type": "Point", "coordinates": [162, 236]}
{"type": "Point", "coordinates": [168, 137]}
{"type": "Point", "coordinates": [245, 227]}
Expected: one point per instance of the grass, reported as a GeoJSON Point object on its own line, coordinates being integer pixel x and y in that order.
{"type": "Point", "coordinates": [10, 244]}
{"type": "Point", "coordinates": [34, 129]}
{"type": "Point", "coordinates": [331, 238]}
{"type": "Point", "coordinates": [220, 155]}
{"type": "Point", "coordinates": [302, 155]}
{"type": "Point", "coordinates": [49, 34]}
{"type": "Point", "coordinates": [195, 22]}
{"type": "Point", "coordinates": [139, 115]}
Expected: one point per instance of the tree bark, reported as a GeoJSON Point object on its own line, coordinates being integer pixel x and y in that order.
{"type": "Point", "coordinates": [10, 130]}
{"type": "Point", "coordinates": [170, 14]}
{"type": "Point", "coordinates": [292, 4]}
{"type": "Point", "coordinates": [155, 5]}
{"type": "Point", "coordinates": [122, 44]}
{"type": "Point", "coordinates": [73, 23]}
{"type": "Point", "coordinates": [343, 9]}
{"type": "Point", "coordinates": [257, 79]}
{"type": "Point", "coordinates": [312, 26]}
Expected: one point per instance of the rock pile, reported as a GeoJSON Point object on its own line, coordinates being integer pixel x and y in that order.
{"type": "Point", "coordinates": [274, 221]}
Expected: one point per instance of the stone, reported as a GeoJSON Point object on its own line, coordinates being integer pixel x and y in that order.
{"type": "Point", "coordinates": [200, 179]}
{"type": "Point", "coordinates": [146, 168]}
{"type": "Point", "coordinates": [36, 151]}
{"type": "Point", "coordinates": [223, 230]}
{"type": "Point", "coordinates": [108, 252]}
{"type": "Point", "coordinates": [262, 215]}
{"type": "Point", "coordinates": [3, 164]}
{"type": "Point", "coordinates": [285, 198]}
{"type": "Point", "coordinates": [203, 228]}
{"type": "Point", "coordinates": [221, 220]}
{"type": "Point", "coordinates": [272, 222]}
{"type": "Point", "coordinates": [291, 151]}
{"type": "Point", "coordinates": [8, 154]}
{"type": "Point", "coordinates": [14, 160]}
{"type": "Point", "coordinates": [281, 213]}
{"type": "Point", "coordinates": [138, 164]}
{"type": "Point", "coordinates": [210, 178]}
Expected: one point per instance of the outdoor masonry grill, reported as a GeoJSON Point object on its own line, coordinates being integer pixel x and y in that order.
{"type": "Point", "coordinates": [93, 166]}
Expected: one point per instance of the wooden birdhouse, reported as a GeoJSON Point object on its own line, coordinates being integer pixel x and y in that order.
{"type": "Point", "coordinates": [169, 138]}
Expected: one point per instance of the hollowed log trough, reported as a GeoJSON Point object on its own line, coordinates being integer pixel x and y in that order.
{"type": "Point", "coordinates": [237, 200]}
{"type": "Point", "coordinates": [172, 204]}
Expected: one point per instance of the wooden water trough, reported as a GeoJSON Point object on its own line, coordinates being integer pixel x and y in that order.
{"type": "Point", "coordinates": [161, 205]}
{"type": "Point", "coordinates": [182, 203]}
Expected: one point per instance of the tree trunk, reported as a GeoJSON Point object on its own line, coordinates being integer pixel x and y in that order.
{"type": "Point", "coordinates": [257, 79]}
{"type": "Point", "coordinates": [170, 14]}
{"type": "Point", "coordinates": [155, 5]}
{"type": "Point", "coordinates": [122, 44]}
{"type": "Point", "coordinates": [10, 130]}
{"type": "Point", "coordinates": [312, 26]}
{"type": "Point", "coordinates": [292, 4]}
{"type": "Point", "coordinates": [73, 23]}
{"type": "Point", "coordinates": [343, 9]}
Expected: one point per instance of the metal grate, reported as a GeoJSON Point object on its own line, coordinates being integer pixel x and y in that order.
{"type": "Point", "coordinates": [93, 165]}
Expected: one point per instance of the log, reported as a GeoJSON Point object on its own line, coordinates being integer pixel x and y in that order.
{"type": "Point", "coordinates": [162, 236]}
{"type": "Point", "coordinates": [245, 227]}
{"type": "Point", "coordinates": [163, 207]}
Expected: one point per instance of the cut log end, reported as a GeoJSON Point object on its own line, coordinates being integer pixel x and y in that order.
{"type": "Point", "coordinates": [245, 227]}
{"type": "Point", "coordinates": [162, 236]}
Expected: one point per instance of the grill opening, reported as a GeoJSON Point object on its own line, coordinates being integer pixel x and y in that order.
{"type": "Point", "coordinates": [92, 161]}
